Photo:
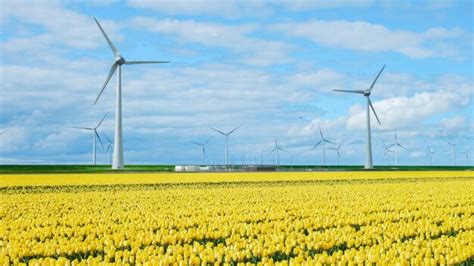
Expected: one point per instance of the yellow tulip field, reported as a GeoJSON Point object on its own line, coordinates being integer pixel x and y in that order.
{"type": "Point", "coordinates": [340, 218]}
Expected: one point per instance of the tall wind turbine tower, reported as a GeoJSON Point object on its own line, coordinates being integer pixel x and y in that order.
{"type": "Point", "coordinates": [323, 141]}
{"type": "Point", "coordinates": [396, 144]}
{"type": "Point", "coordinates": [117, 65]}
{"type": "Point", "coordinates": [226, 135]}
{"type": "Point", "coordinates": [203, 146]}
{"type": "Point", "coordinates": [95, 137]}
{"type": "Point", "coordinates": [453, 145]}
{"type": "Point", "coordinates": [368, 152]}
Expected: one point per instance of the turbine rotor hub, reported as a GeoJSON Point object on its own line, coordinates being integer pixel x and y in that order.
{"type": "Point", "coordinates": [366, 93]}
{"type": "Point", "coordinates": [119, 60]}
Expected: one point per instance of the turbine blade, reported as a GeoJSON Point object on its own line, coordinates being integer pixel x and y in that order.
{"type": "Point", "coordinates": [232, 131]}
{"type": "Point", "coordinates": [111, 45]}
{"type": "Point", "coordinates": [145, 62]}
{"type": "Point", "coordinates": [108, 148]}
{"type": "Point", "coordinates": [207, 141]}
{"type": "Point", "coordinates": [197, 143]}
{"type": "Point", "coordinates": [102, 120]}
{"type": "Point", "coordinates": [328, 141]}
{"type": "Point", "coordinates": [218, 131]}
{"type": "Point", "coordinates": [317, 144]}
{"type": "Point", "coordinates": [111, 72]}
{"type": "Point", "coordinates": [373, 110]}
{"type": "Point", "coordinates": [281, 149]}
{"type": "Point", "coordinates": [272, 151]}
{"type": "Point", "coordinates": [86, 128]}
{"type": "Point", "coordinates": [98, 137]}
{"type": "Point", "coordinates": [375, 80]}
{"type": "Point", "coordinates": [320, 131]}
{"type": "Point", "coordinates": [400, 145]}
{"type": "Point", "coordinates": [351, 91]}
{"type": "Point", "coordinates": [107, 138]}
{"type": "Point", "coordinates": [334, 149]}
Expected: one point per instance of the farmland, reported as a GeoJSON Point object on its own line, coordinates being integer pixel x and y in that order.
{"type": "Point", "coordinates": [238, 218]}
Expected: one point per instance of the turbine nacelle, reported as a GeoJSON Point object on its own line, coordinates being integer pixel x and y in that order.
{"type": "Point", "coordinates": [119, 60]}
{"type": "Point", "coordinates": [366, 93]}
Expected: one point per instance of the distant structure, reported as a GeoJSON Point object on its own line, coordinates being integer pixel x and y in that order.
{"type": "Point", "coordinates": [95, 136]}
{"type": "Point", "coordinates": [109, 147]}
{"type": "Point", "coordinates": [466, 155]}
{"type": "Point", "coordinates": [429, 153]}
{"type": "Point", "coordinates": [387, 152]}
{"type": "Point", "coordinates": [337, 149]}
{"type": "Point", "coordinates": [226, 135]}
{"type": "Point", "coordinates": [322, 141]}
{"type": "Point", "coordinates": [203, 146]}
{"type": "Point", "coordinates": [396, 144]}
{"type": "Point", "coordinates": [119, 61]}
{"type": "Point", "coordinates": [368, 152]}
{"type": "Point", "coordinates": [276, 149]}
{"type": "Point", "coordinates": [453, 146]}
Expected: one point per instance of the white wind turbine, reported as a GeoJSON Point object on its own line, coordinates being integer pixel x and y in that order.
{"type": "Point", "coordinates": [387, 152]}
{"type": "Point", "coordinates": [109, 147]}
{"type": "Point", "coordinates": [453, 145]}
{"type": "Point", "coordinates": [396, 144]}
{"type": "Point", "coordinates": [226, 135]}
{"type": "Point", "coordinates": [95, 136]}
{"type": "Point", "coordinates": [337, 149]}
{"type": "Point", "coordinates": [368, 152]}
{"type": "Point", "coordinates": [323, 141]}
{"type": "Point", "coordinates": [276, 149]}
{"type": "Point", "coordinates": [429, 153]}
{"type": "Point", "coordinates": [203, 146]}
{"type": "Point", "coordinates": [466, 154]}
{"type": "Point", "coordinates": [117, 65]}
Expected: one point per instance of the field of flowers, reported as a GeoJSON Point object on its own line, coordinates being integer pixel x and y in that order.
{"type": "Point", "coordinates": [238, 218]}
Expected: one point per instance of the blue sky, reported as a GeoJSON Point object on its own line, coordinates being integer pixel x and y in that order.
{"type": "Point", "coordinates": [258, 63]}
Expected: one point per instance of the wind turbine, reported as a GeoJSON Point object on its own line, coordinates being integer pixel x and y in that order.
{"type": "Point", "coordinates": [338, 151]}
{"type": "Point", "coordinates": [368, 153]}
{"type": "Point", "coordinates": [203, 145]}
{"type": "Point", "coordinates": [387, 153]}
{"type": "Point", "coordinates": [466, 154]}
{"type": "Point", "coordinates": [226, 135]}
{"type": "Point", "coordinates": [454, 152]}
{"type": "Point", "coordinates": [429, 153]}
{"type": "Point", "coordinates": [276, 149]}
{"type": "Point", "coordinates": [322, 141]}
{"type": "Point", "coordinates": [96, 136]}
{"type": "Point", "coordinates": [109, 147]}
{"type": "Point", "coordinates": [396, 144]}
{"type": "Point", "coordinates": [117, 65]}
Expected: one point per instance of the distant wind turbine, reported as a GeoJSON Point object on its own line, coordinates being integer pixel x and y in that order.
{"type": "Point", "coordinates": [276, 149]}
{"type": "Point", "coordinates": [203, 146]}
{"type": "Point", "coordinates": [96, 136]}
{"type": "Point", "coordinates": [337, 149]}
{"type": "Point", "coordinates": [323, 141]}
{"type": "Point", "coordinates": [429, 153]}
{"type": "Point", "coordinates": [368, 153]}
{"type": "Point", "coordinates": [387, 152]}
{"type": "Point", "coordinates": [119, 61]}
{"type": "Point", "coordinates": [396, 144]}
{"type": "Point", "coordinates": [453, 145]}
{"type": "Point", "coordinates": [109, 147]}
{"type": "Point", "coordinates": [226, 135]}
{"type": "Point", "coordinates": [466, 154]}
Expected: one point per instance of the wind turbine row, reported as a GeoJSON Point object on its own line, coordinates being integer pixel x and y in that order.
{"type": "Point", "coordinates": [203, 145]}
{"type": "Point", "coordinates": [119, 61]}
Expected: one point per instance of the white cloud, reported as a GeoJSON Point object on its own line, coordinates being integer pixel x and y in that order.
{"type": "Point", "coordinates": [364, 36]}
{"type": "Point", "coordinates": [454, 123]}
{"type": "Point", "coordinates": [233, 37]}
{"type": "Point", "coordinates": [406, 111]}
{"type": "Point", "coordinates": [323, 80]}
